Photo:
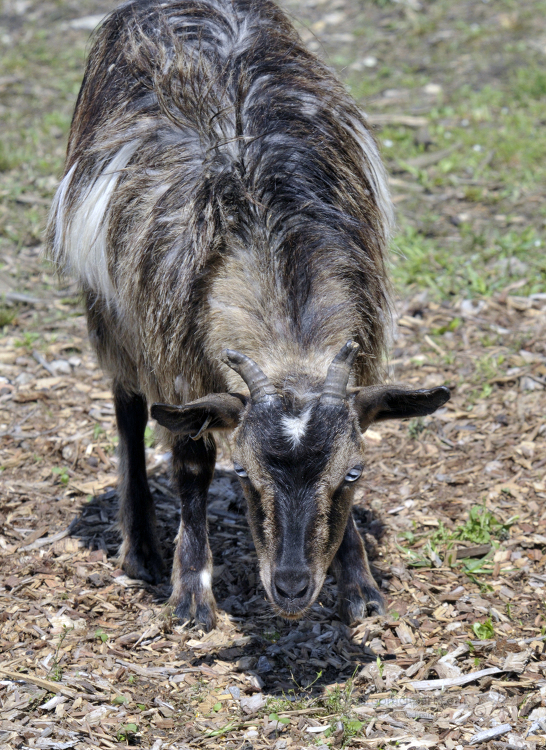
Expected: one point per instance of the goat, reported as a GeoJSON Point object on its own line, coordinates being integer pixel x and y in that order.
{"type": "Point", "coordinates": [226, 214]}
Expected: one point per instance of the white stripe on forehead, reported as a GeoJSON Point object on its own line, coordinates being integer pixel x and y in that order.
{"type": "Point", "coordinates": [294, 427]}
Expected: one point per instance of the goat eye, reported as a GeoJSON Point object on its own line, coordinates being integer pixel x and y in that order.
{"type": "Point", "coordinates": [239, 470]}
{"type": "Point", "coordinates": [354, 474]}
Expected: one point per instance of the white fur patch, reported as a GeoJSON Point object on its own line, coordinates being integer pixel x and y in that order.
{"type": "Point", "coordinates": [85, 237]}
{"type": "Point", "coordinates": [294, 427]}
{"type": "Point", "coordinates": [206, 579]}
{"type": "Point", "coordinates": [376, 174]}
{"type": "Point", "coordinates": [58, 210]}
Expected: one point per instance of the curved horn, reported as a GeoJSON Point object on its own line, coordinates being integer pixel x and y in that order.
{"type": "Point", "coordinates": [259, 385]}
{"type": "Point", "coordinates": [337, 377]}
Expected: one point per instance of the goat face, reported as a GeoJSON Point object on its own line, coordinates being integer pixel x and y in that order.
{"type": "Point", "coordinates": [298, 461]}
{"type": "Point", "coordinates": [297, 467]}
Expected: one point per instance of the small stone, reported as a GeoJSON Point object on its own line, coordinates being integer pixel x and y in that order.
{"type": "Point", "coordinates": [61, 366]}
{"type": "Point", "coordinates": [235, 692]}
{"type": "Point", "coordinates": [433, 89]}
{"type": "Point", "coordinates": [68, 452]}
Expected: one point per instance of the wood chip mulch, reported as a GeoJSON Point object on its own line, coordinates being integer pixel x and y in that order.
{"type": "Point", "coordinates": [453, 510]}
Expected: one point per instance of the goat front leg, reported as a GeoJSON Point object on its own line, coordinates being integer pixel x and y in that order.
{"type": "Point", "coordinates": [358, 595]}
{"type": "Point", "coordinates": [140, 556]}
{"type": "Point", "coordinates": [193, 469]}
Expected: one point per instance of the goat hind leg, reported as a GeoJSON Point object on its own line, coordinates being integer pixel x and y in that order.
{"type": "Point", "coordinates": [140, 556]}
{"type": "Point", "coordinates": [193, 469]}
{"type": "Point", "coordinates": [358, 595]}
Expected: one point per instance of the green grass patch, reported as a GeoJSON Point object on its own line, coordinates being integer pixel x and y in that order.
{"type": "Point", "coordinates": [492, 123]}
{"type": "Point", "coordinates": [101, 635]}
{"type": "Point", "coordinates": [7, 315]}
{"type": "Point", "coordinates": [484, 630]}
{"type": "Point", "coordinates": [432, 549]}
{"type": "Point", "coordinates": [481, 528]}
{"type": "Point", "coordinates": [62, 474]}
{"type": "Point", "coordinates": [478, 266]}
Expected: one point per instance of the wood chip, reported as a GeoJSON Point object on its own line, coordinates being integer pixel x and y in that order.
{"type": "Point", "coordinates": [52, 687]}
{"type": "Point", "coordinates": [516, 662]}
{"type": "Point", "coordinates": [410, 121]}
{"type": "Point", "coordinates": [453, 681]}
{"type": "Point", "coordinates": [490, 734]}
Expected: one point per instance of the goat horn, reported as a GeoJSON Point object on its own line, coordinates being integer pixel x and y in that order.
{"type": "Point", "coordinates": [337, 377]}
{"type": "Point", "coordinates": [260, 387]}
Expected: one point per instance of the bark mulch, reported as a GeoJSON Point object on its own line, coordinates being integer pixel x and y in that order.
{"type": "Point", "coordinates": [452, 507]}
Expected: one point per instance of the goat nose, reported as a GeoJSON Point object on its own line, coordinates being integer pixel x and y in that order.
{"type": "Point", "coordinates": [292, 584]}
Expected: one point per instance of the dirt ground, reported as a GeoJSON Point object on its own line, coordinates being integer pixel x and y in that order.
{"type": "Point", "coordinates": [452, 507]}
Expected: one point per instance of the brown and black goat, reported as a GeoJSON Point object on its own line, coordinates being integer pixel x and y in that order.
{"type": "Point", "coordinates": [225, 212]}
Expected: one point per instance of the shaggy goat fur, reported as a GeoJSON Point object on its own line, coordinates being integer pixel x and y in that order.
{"type": "Point", "coordinates": [221, 189]}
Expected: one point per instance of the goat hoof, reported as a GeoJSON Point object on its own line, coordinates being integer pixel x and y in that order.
{"type": "Point", "coordinates": [203, 613]}
{"type": "Point", "coordinates": [205, 617]}
{"type": "Point", "coordinates": [146, 567]}
{"type": "Point", "coordinates": [355, 608]}
{"type": "Point", "coordinates": [183, 610]}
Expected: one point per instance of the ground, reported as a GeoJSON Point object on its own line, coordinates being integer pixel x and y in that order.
{"type": "Point", "coordinates": [453, 507]}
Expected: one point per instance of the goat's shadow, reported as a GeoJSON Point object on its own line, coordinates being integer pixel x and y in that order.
{"type": "Point", "coordinates": [273, 649]}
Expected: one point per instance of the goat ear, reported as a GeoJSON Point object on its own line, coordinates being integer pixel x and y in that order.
{"type": "Point", "coordinates": [379, 402]}
{"type": "Point", "coordinates": [218, 411]}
